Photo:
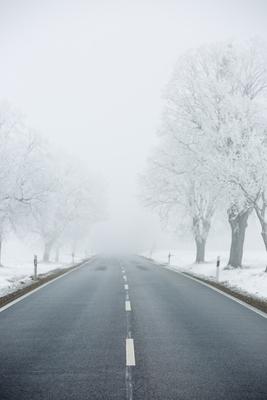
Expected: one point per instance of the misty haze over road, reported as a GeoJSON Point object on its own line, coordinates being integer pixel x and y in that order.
{"type": "Point", "coordinates": [90, 76]}
{"type": "Point", "coordinates": [133, 199]}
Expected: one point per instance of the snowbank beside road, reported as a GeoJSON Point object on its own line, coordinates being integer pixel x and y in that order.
{"type": "Point", "coordinates": [250, 279]}
{"type": "Point", "coordinates": [15, 276]}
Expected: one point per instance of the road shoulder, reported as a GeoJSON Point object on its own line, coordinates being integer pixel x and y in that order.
{"type": "Point", "coordinates": [254, 303]}
{"type": "Point", "coordinates": [11, 298]}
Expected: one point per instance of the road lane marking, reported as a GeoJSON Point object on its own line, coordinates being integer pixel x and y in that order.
{"type": "Point", "coordinates": [129, 383]}
{"type": "Point", "coordinates": [130, 357]}
{"type": "Point", "coordinates": [128, 306]}
{"type": "Point", "coordinates": [242, 303]}
{"type": "Point", "coordinates": [12, 303]}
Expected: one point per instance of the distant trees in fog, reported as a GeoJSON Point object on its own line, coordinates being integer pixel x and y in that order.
{"type": "Point", "coordinates": [42, 192]}
{"type": "Point", "coordinates": [213, 141]}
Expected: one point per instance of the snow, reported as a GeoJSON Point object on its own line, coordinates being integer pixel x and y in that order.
{"type": "Point", "coordinates": [17, 260]}
{"type": "Point", "coordinates": [250, 279]}
{"type": "Point", "coordinates": [14, 276]}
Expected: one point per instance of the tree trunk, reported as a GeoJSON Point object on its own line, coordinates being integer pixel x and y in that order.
{"type": "Point", "coordinates": [238, 223]}
{"type": "Point", "coordinates": [201, 227]}
{"type": "Point", "coordinates": [200, 247]}
{"type": "Point", "coordinates": [264, 234]}
{"type": "Point", "coordinates": [47, 251]}
{"type": "Point", "coordinates": [261, 213]}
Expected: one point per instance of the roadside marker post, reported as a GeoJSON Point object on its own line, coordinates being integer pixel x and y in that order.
{"type": "Point", "coordinates": [169, 258]}
{"type": "Point", "coordinates": [35, 263]}
{"type": "Point", "coordinates": [218, 268]}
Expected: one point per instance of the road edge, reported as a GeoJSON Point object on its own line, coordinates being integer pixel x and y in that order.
{"type": "Point", "coordinates": [210, 285]}
{"type": "Point", "coordinates": [10, 299]}
{"type": "Point", "coordinates": [222, 289]}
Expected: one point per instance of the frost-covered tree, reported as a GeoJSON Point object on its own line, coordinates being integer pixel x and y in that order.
{"type": "Point", "coordinates": [90, 209]}
{"type": "Point", "coordinates": [176, 186]}
{"type": "Point", "coordinates": [41, 191]}
{"type": "Point", "coordinates": [224, 85]}
{"type": "Point", "coordinates": [18, 149]}
{"type": "Point", "coordinates": [214, 115]}
{"type": "Point", "coordinates": [253, 184]}
{"type": "Point", "coordinates": [70, 198]}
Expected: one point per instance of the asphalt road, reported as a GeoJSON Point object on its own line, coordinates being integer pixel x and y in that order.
{"type": "Point", "coordinates": [125, 328]}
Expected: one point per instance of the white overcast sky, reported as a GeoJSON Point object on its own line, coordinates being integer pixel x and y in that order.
{"type": "Point", "coordinates": [89, 74]}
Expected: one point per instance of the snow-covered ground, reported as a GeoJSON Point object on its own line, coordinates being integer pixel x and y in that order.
{"type": "Point", "coordinates": [251, 278]}
{"type": "Point", "coordinates": [16, 275]}
{"type": "Point", "coordinates": [17, 260]}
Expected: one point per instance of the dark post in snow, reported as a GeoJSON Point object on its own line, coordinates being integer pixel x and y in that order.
{"type": "Point", "coordinates": [35, 262]}
{"type": "Point", "coordinates": [217, 268]}
{"type": "Point", "coordinates": [169, 258]}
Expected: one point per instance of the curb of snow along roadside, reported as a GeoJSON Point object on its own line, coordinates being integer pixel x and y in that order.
{"type": "Point", "coordinates": [253, 303]}
{"type": "Point", "coordinates": [8, 300]}
{"type": "Point", "coordinates": [258, 306]}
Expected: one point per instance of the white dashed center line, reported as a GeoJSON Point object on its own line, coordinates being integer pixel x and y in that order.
{"type": "Point", "coordinates": [128, 306]}
{"type": "Point", "coordinates": [130, 357]}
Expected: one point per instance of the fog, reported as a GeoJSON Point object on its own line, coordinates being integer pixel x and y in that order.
{"type": "Point", "coordinates": [89, 76]}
